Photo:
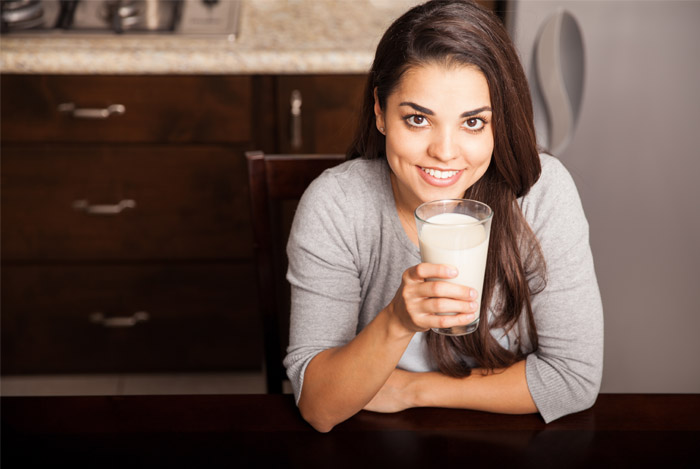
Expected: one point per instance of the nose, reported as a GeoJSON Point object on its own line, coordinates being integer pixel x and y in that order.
{"type": "Point", "coordinates": [443, 145]}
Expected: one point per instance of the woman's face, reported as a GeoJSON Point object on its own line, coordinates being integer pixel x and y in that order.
{"type": "Point", "coordinates": [439, 138]}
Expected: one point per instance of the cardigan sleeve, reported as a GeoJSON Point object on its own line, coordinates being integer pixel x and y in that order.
{"type": "Point", "coordinates": [565, 371]}
{"type": "Point", "coordinates": [323, 277]}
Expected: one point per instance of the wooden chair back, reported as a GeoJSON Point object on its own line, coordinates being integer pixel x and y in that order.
{"type": "Point", "coordinates": [276, 183]}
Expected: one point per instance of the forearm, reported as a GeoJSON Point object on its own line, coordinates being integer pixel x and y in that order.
{"type": "Point", "coordinates": [503, 391]}
{"type": "Point", "coordinates": [339, 382]}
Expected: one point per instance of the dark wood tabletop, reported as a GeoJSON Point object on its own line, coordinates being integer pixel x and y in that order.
{"type": "Point", "coordinates": [620, 430]}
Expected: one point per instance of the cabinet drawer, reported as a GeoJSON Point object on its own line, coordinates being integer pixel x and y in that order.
{"type": "Point", "coordinates": [161, 202]}
{"type": "Point", "coordinates": [199, 317]}
{"type": "Point", "coordinates": [156, 108]}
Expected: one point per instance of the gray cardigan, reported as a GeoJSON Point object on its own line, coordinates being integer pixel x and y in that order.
{"type": "Point", "coordinates": [347, 251]}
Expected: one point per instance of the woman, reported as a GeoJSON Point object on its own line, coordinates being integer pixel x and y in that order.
{"type": "Point", "coordinates": [446, 114]}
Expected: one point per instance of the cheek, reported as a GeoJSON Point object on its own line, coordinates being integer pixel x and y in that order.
{"type": "Point", "coordinates": [403, 147]}
{"type": "Point", "coordinates": [479, 151]}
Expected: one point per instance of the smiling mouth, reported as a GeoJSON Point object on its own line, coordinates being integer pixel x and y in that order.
{"type": "Point", "coordinates": [439, 174]}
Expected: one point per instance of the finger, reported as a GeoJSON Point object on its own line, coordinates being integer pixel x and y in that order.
{"type": "Point", "coordinates": [449, 305]}
{"type": "Point", "coordinates": [444, 321]}
{"type": "Point", "coordinates": [425, 270]}
{"type": "Point", "coordinates": [441, 289]}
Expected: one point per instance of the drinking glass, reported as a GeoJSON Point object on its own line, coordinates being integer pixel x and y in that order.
{"type": "Point", "coordinates": [456, 232]}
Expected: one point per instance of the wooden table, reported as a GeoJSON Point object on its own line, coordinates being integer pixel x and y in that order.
{"type": "Point", "coordinates": [203, 431]}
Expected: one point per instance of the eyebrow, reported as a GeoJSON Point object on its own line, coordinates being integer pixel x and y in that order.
{"type": "Point", "coordinates": [427, 111]}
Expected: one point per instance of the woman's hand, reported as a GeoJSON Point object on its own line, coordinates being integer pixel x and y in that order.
{"type": "Point", "coordinates": [395, 394]}
{"type": "Point", "coordinates": [418, 300]}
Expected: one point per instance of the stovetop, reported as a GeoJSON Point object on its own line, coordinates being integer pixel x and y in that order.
{"type": "Point", "coordinates": [80, 17]}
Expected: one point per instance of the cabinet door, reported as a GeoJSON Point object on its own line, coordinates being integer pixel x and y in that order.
{"type": "Point", "coordinates": [318, 113]}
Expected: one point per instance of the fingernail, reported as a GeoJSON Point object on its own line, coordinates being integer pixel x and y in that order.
{"type": "Point", "coordinates": [473, 305]}
{"type": "Point", "coordinates": [452, 272]}
{"type": "Point", "coordinates": [472, 293]}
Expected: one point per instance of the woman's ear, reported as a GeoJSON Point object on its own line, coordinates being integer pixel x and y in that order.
{"type": "Point", "coordinates": [378, 113]}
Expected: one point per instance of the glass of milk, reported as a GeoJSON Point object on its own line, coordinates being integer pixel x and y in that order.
{"type": "Point", "coordinates": [456, 232]}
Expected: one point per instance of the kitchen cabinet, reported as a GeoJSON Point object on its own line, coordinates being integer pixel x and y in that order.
{"type": "Point", "coordinates": [326, 118]}
{"type": "Point", "coordinates": [126, 237]}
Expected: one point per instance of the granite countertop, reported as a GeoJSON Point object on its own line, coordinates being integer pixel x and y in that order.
{"type": "Point", "coordinates": [275, 36]}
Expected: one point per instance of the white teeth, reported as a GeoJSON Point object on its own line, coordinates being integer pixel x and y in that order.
{"type": "Point", "coordinates": [436, 173]}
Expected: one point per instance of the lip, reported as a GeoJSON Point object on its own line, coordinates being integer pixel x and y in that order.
{"type": "Point", "coordinates": [433, 181]}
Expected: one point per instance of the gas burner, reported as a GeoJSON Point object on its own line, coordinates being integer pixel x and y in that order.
{"type": "Point", "coordinates": [20, 15]}
{"type": "Point", "coordinates": [126, 15]}
{"type": "Point", "coordinates": [66, 17]}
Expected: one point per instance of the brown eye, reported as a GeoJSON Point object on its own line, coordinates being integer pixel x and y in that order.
{"type": "Point", "coordinates": [474, 123]}
{"type": "Point", "coordinates": [417, 120]}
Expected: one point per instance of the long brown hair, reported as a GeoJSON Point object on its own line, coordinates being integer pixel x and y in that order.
{"type": "Point", "coordinates": [461, 32]}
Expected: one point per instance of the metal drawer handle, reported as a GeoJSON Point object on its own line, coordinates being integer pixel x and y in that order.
{"type": "Point", "coordinates": [92, 113]}
{"type": "Point", "coordinates": [113, 209]}
{"type": "Point", "coordinates": [295, 103]}
{"type": "Point", "coordinates": [119, 321]}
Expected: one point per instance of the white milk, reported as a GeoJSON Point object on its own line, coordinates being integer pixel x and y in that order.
{"type": "Point", "coordinates": [446, 240]}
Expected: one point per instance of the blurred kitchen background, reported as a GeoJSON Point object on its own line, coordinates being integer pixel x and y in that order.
{"type": "Point", "coordinates": [127, 261]}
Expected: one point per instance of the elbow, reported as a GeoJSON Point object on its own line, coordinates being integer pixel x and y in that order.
{"type": "Point", "coordinates": [561, 391]}
{"type": "Point", "coordinates": [568, 403]}
{"type": "Point", "coordinates": [316, 415]}
{"type": "Point", "coordinates": [318, 422]}
{"type": "Point", "coordinates": [585, 396]}
{"type": "Point", "coordinates": [584, 402]}
{"type": "Point", "coordinates": [590, 395]}
{"type": "Point", "coordinates": [321, 427]}
{"type": "Point", "coordinates": [590, 388]}
{"type": "Point", "coordinates": [582, 391]}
